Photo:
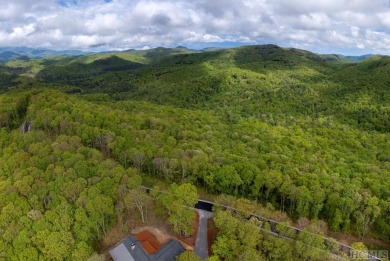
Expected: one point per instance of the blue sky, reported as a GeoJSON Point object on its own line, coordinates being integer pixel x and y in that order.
{"type": "Point", "coordinates": [350, 27]}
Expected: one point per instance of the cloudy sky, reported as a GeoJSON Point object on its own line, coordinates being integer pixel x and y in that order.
{"type": "Point", "coordinates": [324, 26]}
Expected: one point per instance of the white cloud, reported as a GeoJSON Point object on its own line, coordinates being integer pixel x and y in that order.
{"type": "Point", "coordinates": [314, 21]}
{"type": "Point", "coordinates": [320, 24]}
{"type": "Point", "coordinates": [355, 31]}
{"type": "Point", "coordinates": [105, 24]}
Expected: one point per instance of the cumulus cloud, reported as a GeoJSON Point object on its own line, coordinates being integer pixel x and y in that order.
{"type": "Point", "coordinates": [121, 24]}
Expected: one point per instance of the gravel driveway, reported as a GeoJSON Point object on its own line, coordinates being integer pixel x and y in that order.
{"type": "Point", "coordinates": [201, 246]}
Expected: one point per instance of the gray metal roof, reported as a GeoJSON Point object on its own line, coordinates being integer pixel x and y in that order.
{"type": "Point", "coordinates": [169, 251]}
{"type": "Point", "coordinates": [124, 252]}
{"type": "Point", "coordinates": [121, 253]}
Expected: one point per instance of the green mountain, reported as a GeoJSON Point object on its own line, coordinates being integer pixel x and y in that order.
{"type": "Point", "coordinates": [252, 81]}
{"type": "Point", "coordinates": [9, 53]}
{"type": "Point", "coordinates": [343, 58]}
{"type": "Point", "coordinates": [306, 136]}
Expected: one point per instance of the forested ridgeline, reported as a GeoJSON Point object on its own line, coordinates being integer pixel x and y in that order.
{"type": "Point", "coordinates": [266, 82]}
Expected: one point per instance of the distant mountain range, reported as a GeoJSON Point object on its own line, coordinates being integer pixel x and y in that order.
{"type": "Point", "coordinates": [341, 58]}
{"type": "Point", "coordinates": [25, 53]}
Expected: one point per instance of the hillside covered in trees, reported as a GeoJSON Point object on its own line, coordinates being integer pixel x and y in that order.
{"type": "Point", "coordinates": [296, 132]}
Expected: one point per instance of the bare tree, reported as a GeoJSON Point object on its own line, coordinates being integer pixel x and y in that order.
{"type": "Point", "coordinates": [138, 160]}
{"type": "Point", "coordinates": [137, 198]}
{"type": "Point", "coordinates": [158, 164]}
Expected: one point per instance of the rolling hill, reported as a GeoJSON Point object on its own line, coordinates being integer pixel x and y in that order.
{"type": "Point", "coordinates": [267, 79]}
{"type": "Point", "coordinates": [10, 53]}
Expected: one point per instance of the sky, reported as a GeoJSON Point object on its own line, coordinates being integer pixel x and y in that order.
{"type": "Point", "coordinates": [351, 27]}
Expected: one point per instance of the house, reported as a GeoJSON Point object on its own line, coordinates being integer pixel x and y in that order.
{"type": "Point", "coordinates": [145, 247]}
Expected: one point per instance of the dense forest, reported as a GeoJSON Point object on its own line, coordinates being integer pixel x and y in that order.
{"type": "Point", "coordinates": [293, 131]}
